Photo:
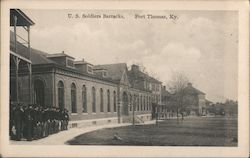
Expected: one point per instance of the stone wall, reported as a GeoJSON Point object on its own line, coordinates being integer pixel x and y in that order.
{"type": "Point", "coordinates": [89, 83]}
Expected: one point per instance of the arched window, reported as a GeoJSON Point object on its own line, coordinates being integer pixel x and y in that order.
{"type": "Point", "coordinates": [60, 87]}
{"type": "Point", "coordinates": [150, 103]}
{"type": "Point", "coordinates": [135, 102]}
{"type": "Point", "coordinates": [73, 98]}
{"type": "Point", "coordinates": [131, 102]}
{"type": "Point", "coordinates": [93, 100]}
{"type": "Point", "coordinates": [84, 99]}
{"type": "Point", "coordinates": [141, 103]}
{"type": "Point", "coordinates": [137, 105]}
{"type": "Point", "coordinates": [147, 103]}
{"type": "Point", "coordinates": [144, 103]}
{"type": "Point", "coordinates": [39, 92]}
{"type": "Point", "coordinates": [114, 101]}
{"type": "Point", "coordinates": [101, 100]}
{"type": "Point", "coordinates": [108, 100]}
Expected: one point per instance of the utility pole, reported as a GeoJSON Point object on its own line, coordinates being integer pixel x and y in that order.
{"type": "Point", "coordinates": [156, 114]}
{"type": "Point", "coordinates": [133, 104]}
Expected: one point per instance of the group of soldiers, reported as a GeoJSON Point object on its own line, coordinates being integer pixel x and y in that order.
{"type": "Point", "coordinates": [33, 122]}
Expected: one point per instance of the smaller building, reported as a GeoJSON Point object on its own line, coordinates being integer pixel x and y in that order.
{"type": "Point", "coordinates": [194, 100]}
{"type": "Point", "coordinates": [193, 103]}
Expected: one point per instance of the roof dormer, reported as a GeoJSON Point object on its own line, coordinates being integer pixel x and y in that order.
{"type": "Point", "coordinates": [62, 59]}
{"type": "Point", "coordinates": [84, 66]}
{"type": "Point", "coordinates": [99, 71]}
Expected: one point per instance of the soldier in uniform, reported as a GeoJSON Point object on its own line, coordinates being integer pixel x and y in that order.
{"type": "Point", "coordinates": [57, 120]}
{"type": "Point", "coordinates": [60, 115]}
{"type": "Point", "coordinates": [46, 122]}
{"type": "Point", "coordinates": [54, 120]}
{"type": "Point", "coordinates": [52, 116]}
{"type": "Point", "coordinates": [18, 118]}
{"type": "Point", "coordinates": [28, 122]}
{"type": "Point", "coordinates": [35, 121]}
{"type": "Point", "coordinates": [66, 118]}
{"type": "Point", "coordinates": [12, 123]}
{"type": "Point", "coordinates": [40, 135]}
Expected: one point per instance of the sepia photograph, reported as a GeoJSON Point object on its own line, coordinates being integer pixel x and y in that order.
{"type": "Point", "coordinates": [123, 78]}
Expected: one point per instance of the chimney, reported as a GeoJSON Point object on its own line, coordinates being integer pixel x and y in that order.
{"type": "Point", "coordinates": [189, 84]}
{"type": "Point", "coordinates": [63, 51]}
{"type": "Point", "coordinates": [135, 68]}
{"type": "Point", "coordinates": [164, 88]}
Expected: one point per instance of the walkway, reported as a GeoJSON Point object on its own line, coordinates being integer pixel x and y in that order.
{"type": "Point", "coordinates": [63, 136]}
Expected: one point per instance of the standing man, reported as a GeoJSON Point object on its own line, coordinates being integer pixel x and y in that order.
{"type": "Point", "coordinates": [66, 118]}
{"type": "Point", "coordinates": [18, 118]}
{"type": "Point", "coordinates": [29, 123]}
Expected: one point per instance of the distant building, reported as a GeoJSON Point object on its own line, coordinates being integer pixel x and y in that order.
{"type": "Point", "coordinates": [167, 109]}
{"type": "Point", "coordinates": [194, 102]}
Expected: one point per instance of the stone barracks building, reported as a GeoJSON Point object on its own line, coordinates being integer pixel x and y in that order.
{"type": "Point", "coordinates": [93, 94]}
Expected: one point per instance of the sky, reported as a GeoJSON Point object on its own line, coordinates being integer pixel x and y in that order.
{"type": "Point", "coordinates": [203, 45]}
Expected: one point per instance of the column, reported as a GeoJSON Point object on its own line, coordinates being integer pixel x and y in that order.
{"type": "Point", "coordinates": [17, 61]}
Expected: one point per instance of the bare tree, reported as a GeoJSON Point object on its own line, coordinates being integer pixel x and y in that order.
{"type": "Point", "coordinates": [176, 87]}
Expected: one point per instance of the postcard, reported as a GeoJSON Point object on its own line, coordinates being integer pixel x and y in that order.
{"type": "Point", "coordinates": [124, 79]}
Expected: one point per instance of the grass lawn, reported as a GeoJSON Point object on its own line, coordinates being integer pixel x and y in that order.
{"type": "Point", "coordinates": [214, 131]}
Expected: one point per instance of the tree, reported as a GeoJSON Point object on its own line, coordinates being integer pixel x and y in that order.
{"type": "Point", "coordinates": [176, 86]}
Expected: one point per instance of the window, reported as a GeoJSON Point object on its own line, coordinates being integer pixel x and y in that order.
{"type": "Point", "coordinates": [108, 100]}
{"type": "Point", "coordinates": [93, 100]}
{"type": "Point", "coordinates": [150, 103]}
{"type": "Point", "coordinates": [70, 63]}
{"type": "Point", "coordinates": [138, 107]}
{"type": "Point", "coordinates": [131, 102]}
{"type": "Point", "coordinates": [89, 69]}
{"type": "Point", "coordinates": [105, 73]}
{"type": "Point", "coordinates": [144, 103]}
{"type": "Point", "coordinates": [61, 94]}
{"type": "Point", "coordinates": [147, 103]}
{"type": "Point", "coordinates": [114, 101]}
{"type": "Point", "coordinates": [73, 98]}
{"type": "Point", "coordinates": [150, 86]}
{"type": "Point", "coordinates": [84, 99]}
{"type": "Point", "coordinates": [141, 102]}
{"type": "Point", "coordinates": [135, 102]}
{"type": "Point", "coordinates": [101, 100]}
{"type": "Point", "coordinates": [39, 92]}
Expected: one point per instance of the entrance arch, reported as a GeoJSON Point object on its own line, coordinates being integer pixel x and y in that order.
{"type": "Point", "coordinates": [39, 92]}
{"type": "Point", "coordinates": [60, 94]}
{"type": "Point", "coordinates": [125, 103]}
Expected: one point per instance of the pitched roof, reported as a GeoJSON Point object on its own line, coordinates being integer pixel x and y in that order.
{"type": "Point", "coordinates": [36, 56]}
{"type": "Point", "coordinates": [23, 19]}
{"type": "Point", "coordinates": [141, 76]}
{"type": "Point", "coordinates": [191, 90]}
{"type": "Point", "coordinates": [59, 55]}
{"type": "Point", "coordinates": [165, 93]}
{"type": "Point", "coordinates": [40, 58]}
{"type": "Point", "coordinates": [115, 71]}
